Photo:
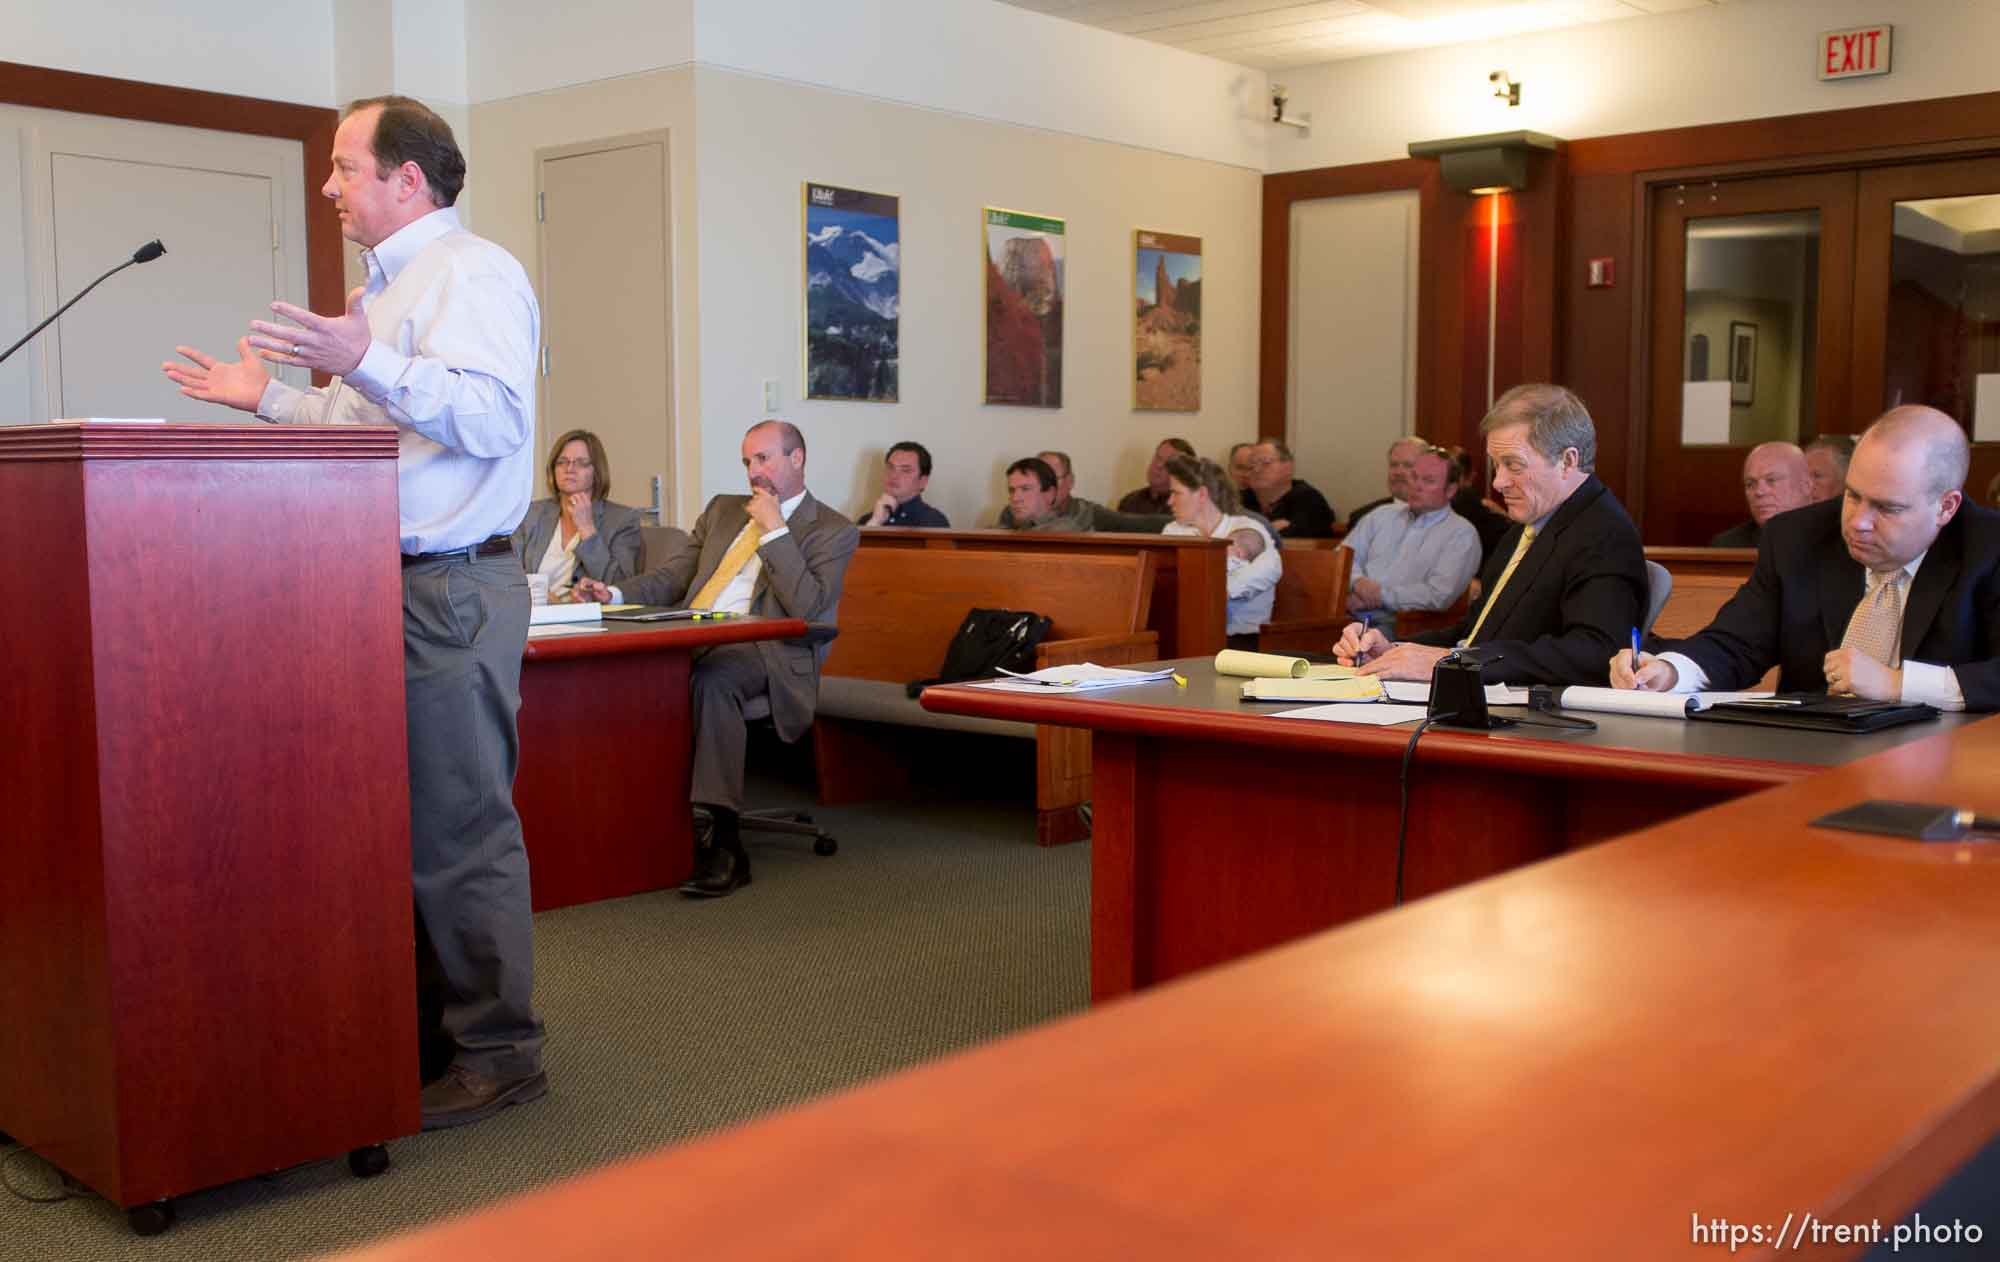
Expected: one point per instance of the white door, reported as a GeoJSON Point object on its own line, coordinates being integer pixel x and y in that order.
{"type": "Point", "coordinates": [605, 321]}
{"type": "Point", "coordinates": [1353, 354]}
{"type": "Point", "coordinates": [230, 210]}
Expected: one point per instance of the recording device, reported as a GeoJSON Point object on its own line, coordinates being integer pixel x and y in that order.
{"type": "Point", "coordinates": [144, 254]}
{"type": "Point", "coordinates": [1458, 693]}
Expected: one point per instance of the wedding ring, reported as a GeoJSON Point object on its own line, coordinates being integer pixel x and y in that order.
{"type": "Point", "coordinates": [296, 349]}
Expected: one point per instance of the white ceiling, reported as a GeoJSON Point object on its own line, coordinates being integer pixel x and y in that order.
{"type": "Point", "coordinates": [1274, 34]}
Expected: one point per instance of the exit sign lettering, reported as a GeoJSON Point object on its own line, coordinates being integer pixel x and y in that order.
{"type": "Point", "coordinates": [1854, 53]}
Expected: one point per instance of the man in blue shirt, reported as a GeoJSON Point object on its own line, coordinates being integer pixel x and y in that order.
{"type": "Point", "coordinates": [906, 471]}
{"type": "Point", "coordinates": [1418, 554]}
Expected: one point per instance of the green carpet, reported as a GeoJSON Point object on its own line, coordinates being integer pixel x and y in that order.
{"type": "Point", "coordinates": [937, 926]}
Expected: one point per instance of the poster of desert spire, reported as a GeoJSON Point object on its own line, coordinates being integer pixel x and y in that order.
{"type": "Point", "coordinates": [853, 294]}
{"type": "Point", "coordinates": [1024, 308]}
{"type": "Point", "coordinates": [1167, 334]}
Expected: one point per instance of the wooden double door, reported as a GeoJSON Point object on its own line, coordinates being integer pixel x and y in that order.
{"type": "Point", "coordinates": [1786, 306]}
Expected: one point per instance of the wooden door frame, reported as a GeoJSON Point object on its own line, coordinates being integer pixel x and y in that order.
{"type": "Point", "coordinates": [38, 87]}
{"type": "Point", "coordinates": [1643, 162]}
{"type": "Point", "coordinates": [1834, 201]}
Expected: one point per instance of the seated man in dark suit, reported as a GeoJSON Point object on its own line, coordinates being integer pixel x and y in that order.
{"type": "Point", "coordinates": [1567, 582]}
{"type": "Point", "coordinates": [906, 473]}
{"type": "Point", "coordinates": [1291, 504]}
{"type": "Point", "coordinates": [1776, 479]}
{"type": "Point", "coordinates": [1150, 500]}
{"type": "Point", "coordinates": [776, 552]}
{"type": "Point", "coordinates": [1891, 592]}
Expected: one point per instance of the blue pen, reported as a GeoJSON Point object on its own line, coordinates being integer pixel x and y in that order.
{"type": "Point", "coordinates": [1635, 648]}
{"type": "Point", "coordinates": [1362, 656]}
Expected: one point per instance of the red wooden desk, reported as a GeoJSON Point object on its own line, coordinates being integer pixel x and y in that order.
{"type": "Point", "coordinates": [604, 724]}
{"type": "Point", "coordinates": [1190, 607]}
{"type": "Point", "coordinates": [1732, 1015]}
{"type": "Point", "coordinates": [1219, 830]}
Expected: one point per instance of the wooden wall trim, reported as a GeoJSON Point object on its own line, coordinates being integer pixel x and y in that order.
{"type": "Point", "coordinates": [1280, 191]}
{"type": "Point", "coordinates": [1600, 347]}
{"type": "Point", "coordinates": [39, 87]}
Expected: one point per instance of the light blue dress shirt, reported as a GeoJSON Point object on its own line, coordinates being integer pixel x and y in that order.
{"type": "Point", "coordinates": [452, 366]}
{"type": "Point", "coordinates": [1421, 562]}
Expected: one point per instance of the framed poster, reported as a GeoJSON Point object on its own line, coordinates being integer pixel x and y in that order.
{"type": "Point", "coordinates": [1166, 339]}
{"type": "Point", "coordinates": [853, 293]}
{"type": "Point", "coordinates": [1024, 307]}
{"type": "Point", "coordinates": [1742, 363]}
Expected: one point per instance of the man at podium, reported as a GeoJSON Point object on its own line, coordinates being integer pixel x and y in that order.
{"type": "Point", "coordinates": [441, 343]}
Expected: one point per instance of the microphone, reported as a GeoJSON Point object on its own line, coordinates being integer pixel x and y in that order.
{"type": "Point", "coordinates": [144, 254]}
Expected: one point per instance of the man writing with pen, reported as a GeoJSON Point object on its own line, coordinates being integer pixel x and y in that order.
{"type": "Point", "coordinates": [1565, 585]}
{"type": "Point", "coordinates": [776, 552]}
{"type": "Point", "coordinates": [1890, 592]}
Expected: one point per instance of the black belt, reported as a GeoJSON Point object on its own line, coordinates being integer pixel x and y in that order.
{"type": "Point", "coordinates": [486, 548]}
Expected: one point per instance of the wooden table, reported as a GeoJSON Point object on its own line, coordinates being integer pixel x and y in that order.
{"type": "Point", "coordinates": [1730, 1016]}
{"type": "Point", "coordinates": [604, 723]}
{"type": "Point", "coordinates": [1190, 596]}
{"type": "Point", "coordinates": [1219, 830]}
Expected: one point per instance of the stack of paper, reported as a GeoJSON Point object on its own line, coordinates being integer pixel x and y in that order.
{"type": "Point", "coordinates": [542, 615]}
{"type": "Point", "coordinates": [1081, 677]}
{"type": "Point", "coordinates": [1367, 688]}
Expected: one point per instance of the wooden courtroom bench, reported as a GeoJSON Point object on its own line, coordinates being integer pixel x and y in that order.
{"type": "Point", "coordinates": [898, 612]}
{"type": "Point", "coordinates": [1719, 562]}
{"type": "Point", "coordinates": [1310, 607]}
{"type": "Point", "coordinates": [1190, 573]}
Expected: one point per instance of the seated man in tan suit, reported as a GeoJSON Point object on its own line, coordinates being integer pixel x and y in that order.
{"type": "Point", "coordinates": [777, 552]}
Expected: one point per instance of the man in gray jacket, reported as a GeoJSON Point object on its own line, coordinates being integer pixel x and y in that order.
{"type": "Point", "coordinates": [776, 552]}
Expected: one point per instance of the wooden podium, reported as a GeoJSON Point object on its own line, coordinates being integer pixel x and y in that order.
{"type": "Point", "coordinates": [206, 936]}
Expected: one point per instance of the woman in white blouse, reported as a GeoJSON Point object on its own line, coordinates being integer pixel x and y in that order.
{"type": "Point", "coordinates": [1203, 501]}
{"type": "Point", "coordinates": [577, 531]}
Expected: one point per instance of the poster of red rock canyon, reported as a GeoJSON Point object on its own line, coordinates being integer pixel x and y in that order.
{"type": "Point", "coordinates": [1024, 308]}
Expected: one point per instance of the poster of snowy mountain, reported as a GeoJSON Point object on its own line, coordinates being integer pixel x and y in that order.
{"type": "Point", "coordinates": [1024, 308]}
{"type": "Point", "coordinates": [853, 293]}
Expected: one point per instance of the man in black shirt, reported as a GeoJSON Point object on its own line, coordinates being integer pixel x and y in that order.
{"type": "Point", "coordinates": [1151, 499]}
{"type": "Point", "coordinates": [906, 471]}
{"type": "Point", "coordinates": [1294, 508]}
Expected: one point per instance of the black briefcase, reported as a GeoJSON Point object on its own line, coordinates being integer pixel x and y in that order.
{"type": "Point", "coordinates": [1817, 712]}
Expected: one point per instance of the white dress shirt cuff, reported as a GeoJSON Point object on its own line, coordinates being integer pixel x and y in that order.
{"type": "Point", "coordinates": [277, 400]}
{"type": "Point", "coordinates": [1690, 677]}
{"type": "Point", "coordinates": [617, 597]}
{"type": "Point", "coordinates": [380, 368]}
{"type": "Point", "coordinates": [779, 533]}
{"type": "Point", "coordinates": [1926, 684]}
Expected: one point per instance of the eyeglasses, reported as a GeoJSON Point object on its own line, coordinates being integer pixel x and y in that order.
{"type": "Point", "coordinates": [568, 463]}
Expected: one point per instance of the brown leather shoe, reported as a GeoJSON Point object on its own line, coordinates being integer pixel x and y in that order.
{"type": "Point", "coordinates": [466, 1095]}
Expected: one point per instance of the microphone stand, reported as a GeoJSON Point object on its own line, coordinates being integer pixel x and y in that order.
{"type": "Point", "coordinates": [144, 254]}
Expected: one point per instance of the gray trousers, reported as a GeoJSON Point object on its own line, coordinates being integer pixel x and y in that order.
{"type": "Point", "coordinates": [724, 678]}
{"type": "Point", "coordinates": [464, 627]}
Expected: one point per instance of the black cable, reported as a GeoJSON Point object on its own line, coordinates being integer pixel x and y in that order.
{"type": "Point", "coordinates": [1403, 817]}
{"type": "Point", "coordinates": [70, 1187]}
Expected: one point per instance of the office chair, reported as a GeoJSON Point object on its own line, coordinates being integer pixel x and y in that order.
{"type": "Point", "coordinates": [777, 819]}
{"type": "Point", "coordinates": [1660, 585]}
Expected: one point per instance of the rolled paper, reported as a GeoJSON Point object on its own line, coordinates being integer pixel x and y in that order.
{"type": "Point", "coordinates": [1260, 665]}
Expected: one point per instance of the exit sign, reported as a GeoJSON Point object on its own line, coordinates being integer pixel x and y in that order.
{"type": "Point", "coordinates": [1854, 53]}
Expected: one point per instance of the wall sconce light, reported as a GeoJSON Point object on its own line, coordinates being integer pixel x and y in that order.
{"type": "Point", "coordinates": [1495, 163]}
{"type": "Point", "coordinates": [1504, 87]}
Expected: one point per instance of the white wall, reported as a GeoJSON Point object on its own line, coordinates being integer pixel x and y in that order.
{"type": "Point", "coordinates": [757, 139]}
{"type": "Point", "coordinates": [979, 58]}
{"type": "Point", "coordinates": [500, 179]}
{"type": "Point", "coordinates": [282, 52]}
{"type": "Point", "coordinates": [994, 61]}
{"type": "Point", "coordinates": [1698, 66]}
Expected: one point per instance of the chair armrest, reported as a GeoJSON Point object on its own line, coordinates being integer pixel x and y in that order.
{"type": "Point", "coordinates": [1105, 650]}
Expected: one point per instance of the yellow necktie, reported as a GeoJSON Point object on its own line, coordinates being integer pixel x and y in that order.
{"type": "Point", "coordinates": [1500, 584]}
{"type": "Point", "coordinates": [1877, 623]}
{"type": "Point", "coordinates": [733, 562]}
